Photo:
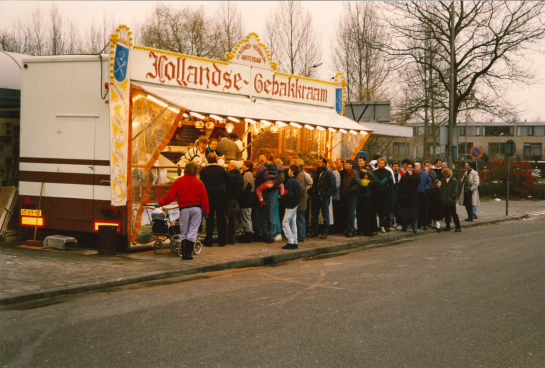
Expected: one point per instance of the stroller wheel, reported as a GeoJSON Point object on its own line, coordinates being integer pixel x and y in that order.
{"type": "Point", "coordinates": [197, 247]}
{"type": "Point", "coordinates": [179, 249]}
{"type": "Point", "coordinates": [158, 247]}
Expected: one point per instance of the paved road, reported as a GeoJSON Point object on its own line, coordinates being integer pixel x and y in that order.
{"type": "Point", "coordinates": [30, 274]}
{"type": "Point", "coordinates": [473, 299]}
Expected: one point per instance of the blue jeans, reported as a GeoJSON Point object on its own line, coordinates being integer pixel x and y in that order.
{"type": "Point", "coordinates": [278, 222]}
{"type": "Point", "coordinates": [301, 225]}
{"type": "Point", "coordinates": [474, 211]}
{"type": "Point", "coordinates": [270, 212]}
{"type": "Point", "coordinates": [350, 214]}
{"type": "Point", "coordinates": [323, 205]}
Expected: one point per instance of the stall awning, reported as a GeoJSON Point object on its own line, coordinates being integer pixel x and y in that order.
{"type": "Point", "coordinates": [254, 108]}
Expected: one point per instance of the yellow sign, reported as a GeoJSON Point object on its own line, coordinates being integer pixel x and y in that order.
{"type": "Point", "coordinates": [31, 221]}
{"type": "Point", "coordinates": [27, 212]}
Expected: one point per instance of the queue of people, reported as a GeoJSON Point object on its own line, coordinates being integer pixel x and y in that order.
{"type": "Point", "coordinates": [345, 197]}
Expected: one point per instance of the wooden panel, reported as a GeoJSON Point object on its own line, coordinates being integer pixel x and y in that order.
{"type": "Point", "coordinates": [63, 178]}
{"type": "Point", "coordinates": [42, 160]}
{"type": "Point", "coordinates": [66, 214]}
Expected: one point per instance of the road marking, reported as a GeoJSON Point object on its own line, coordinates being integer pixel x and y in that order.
{"type": "Point", "coordinates": [537, 213]}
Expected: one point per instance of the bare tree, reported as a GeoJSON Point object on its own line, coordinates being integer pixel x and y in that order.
{"type": "Point", "coordinates": [229, 27]}
{"type": "Point", "coordinates": [184, 30]}
{"type": "Point", "coordinates": [483, 41]}
{"type": "Point", "coordinates": [57, 41]}
{"type": "Point", "coordinates": [17, 39]}
{"type": "Point", "coordinates": [366, 67]}
{"type": "Point", "coordinates": [292, 39]}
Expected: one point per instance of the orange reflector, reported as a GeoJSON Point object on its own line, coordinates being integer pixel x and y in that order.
{"type": "Point", "coordinates": [32, 220]}
{"type": "Point", "coordinates": [96, 224]}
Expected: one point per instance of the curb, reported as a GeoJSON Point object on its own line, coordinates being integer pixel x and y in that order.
{"type": "Point", "coordinates": [244, 263]}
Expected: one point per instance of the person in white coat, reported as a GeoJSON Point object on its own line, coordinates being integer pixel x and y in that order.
{"type": "Point", "coordinates": [469, 197]}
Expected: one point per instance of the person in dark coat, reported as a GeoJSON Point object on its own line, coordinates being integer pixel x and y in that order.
{"type": "Point", "coordinates": [395, 198]}
{"type": "Point", "coordinates": [234, 192]}
{"type": "Point", "coordinates": [364, 207]}
{"type": "Point", "coordinates": [423, 198]}
{"type": "Point", "coordinates": [449, 194]}
{"type": "Point", "coordinates": [216, 181]}
{"type": "Point", "coordinates": [437, 167]}
{"type": "Point", "coordinates": [350, 188]}
{"type": "Point", "coordinates": [408, 197]}
{"type": "Point", "coordinates": [384, 187]}
{"type": "Point", "coordinates": [436, 205]}
{"type": "Point", "coordinates": [325, 188]}
{"type": "Point", "coordinates": [247, 201]}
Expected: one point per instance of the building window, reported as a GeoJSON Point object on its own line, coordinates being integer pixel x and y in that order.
{"type": "Point", "coordinates": [419, 130]}
{"type": "Point", "coordinates": [399, 149]}
{"type": "Point", "coordinates": [530, 131]}
{"type": "Point", "coordinates": [470, 131]}
{"type": "Point", "coordinates": [525, 131]}
{"type": "Point", "coordinates": [463, 148]}
{"type": "Point", "coordinates": [437, 149]}
{"type": "Point", "coordinates": [496, 131]}
{"type": "Point", "coordinates": [532, 150]}
{"type": "Point", "coordinates": [496, 148]}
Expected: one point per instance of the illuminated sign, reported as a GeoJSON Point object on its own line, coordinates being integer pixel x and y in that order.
{"type": "Point", "coordinates": [31, 221]}
{"type": "Point", "coordinates": [27, 212]}
{"type": "Point", "coordinates": [98, 223]}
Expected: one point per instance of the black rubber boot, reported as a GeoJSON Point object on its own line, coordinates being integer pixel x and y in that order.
{"type": "Point", "coordinates": [187, 249]}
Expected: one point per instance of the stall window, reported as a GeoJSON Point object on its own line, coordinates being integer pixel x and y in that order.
{"type": "Point", "coordinates": [291, 135]}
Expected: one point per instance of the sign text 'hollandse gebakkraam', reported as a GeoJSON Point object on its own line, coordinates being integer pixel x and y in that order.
{"type": "Point", "coordinates": [249, 71]}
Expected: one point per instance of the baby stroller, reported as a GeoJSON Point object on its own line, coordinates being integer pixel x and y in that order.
{"type": "Point", "coordinates": [163, 229]}
{"type": "Point", "coordinates": [197, 247]}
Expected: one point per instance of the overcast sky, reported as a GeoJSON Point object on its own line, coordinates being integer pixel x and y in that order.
{"type": "Point", "coordinates": [325, 15]}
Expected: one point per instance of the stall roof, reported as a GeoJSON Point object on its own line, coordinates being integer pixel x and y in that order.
{"type": "Point", "coordinates": [254, 108]}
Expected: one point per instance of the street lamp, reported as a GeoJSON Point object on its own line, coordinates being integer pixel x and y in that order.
{"type": "Point", "coordinates": [499, 144]}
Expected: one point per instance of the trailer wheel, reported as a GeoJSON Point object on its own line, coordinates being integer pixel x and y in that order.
{"type": "Point", "coordinates": [158, 247]}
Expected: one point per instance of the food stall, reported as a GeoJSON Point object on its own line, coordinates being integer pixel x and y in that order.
{"type": "Point", "coordinates": [159, 102]}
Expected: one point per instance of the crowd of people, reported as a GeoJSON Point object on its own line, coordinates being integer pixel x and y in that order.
{"type": "Point", "coordinates": [344, 196]}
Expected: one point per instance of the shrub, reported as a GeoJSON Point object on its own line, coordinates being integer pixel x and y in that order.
{"type": "Point", "coordinates": [493, 176]}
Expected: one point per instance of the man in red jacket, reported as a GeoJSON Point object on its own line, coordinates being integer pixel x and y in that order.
{"type": "Point", "coordinates": [192, 199]}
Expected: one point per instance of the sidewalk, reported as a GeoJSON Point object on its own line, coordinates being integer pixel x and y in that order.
{"type": "Point", "coordinates": [29, 274]}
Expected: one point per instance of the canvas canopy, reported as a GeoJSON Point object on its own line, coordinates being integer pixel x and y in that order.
{"type": "Point", "coordinates": [254, 108]}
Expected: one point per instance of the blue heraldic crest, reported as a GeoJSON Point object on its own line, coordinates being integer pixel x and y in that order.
{"type": "Point", "coordinates": [121, 62]}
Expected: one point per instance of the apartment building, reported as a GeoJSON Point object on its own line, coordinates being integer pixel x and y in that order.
{"type": "Point", "coordinates": [529, 138]}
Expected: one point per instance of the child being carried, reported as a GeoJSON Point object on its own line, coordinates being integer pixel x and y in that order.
{"type": "Point", "coordinates": [271, 173]}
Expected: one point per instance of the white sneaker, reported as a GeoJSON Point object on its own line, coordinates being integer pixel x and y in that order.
{"type": "Point", "coordinates": [382, 230]}
{"type": "Point", "coordinates": [399, 227]}
{"type": "Point", "coordinates": [278, 237]}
